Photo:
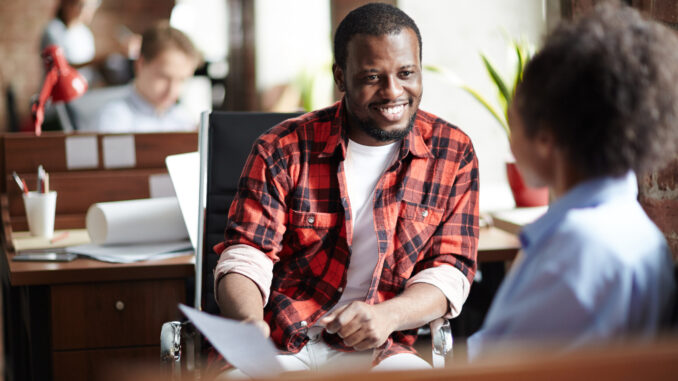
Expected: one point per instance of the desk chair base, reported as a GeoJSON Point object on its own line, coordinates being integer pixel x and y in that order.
{"type": "Point", "coordinates": [173, 336]}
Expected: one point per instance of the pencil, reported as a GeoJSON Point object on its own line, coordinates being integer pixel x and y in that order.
{"type": "Point", "coordinates": [59, 237]}
{"type": "Point", "coordinates": [20, 182]}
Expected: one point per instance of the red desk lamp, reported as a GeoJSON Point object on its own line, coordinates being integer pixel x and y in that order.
{"type": "Point", "coordinates": [62, 83]}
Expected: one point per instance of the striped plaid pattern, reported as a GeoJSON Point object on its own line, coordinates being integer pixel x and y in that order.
{"type": "Point", "coordinates": [292, 204]}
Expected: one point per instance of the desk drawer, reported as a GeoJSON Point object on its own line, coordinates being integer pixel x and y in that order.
{"type": "Point", "coordinates": [113, 314]}
{"type": "Point", "coordinates": [102, 364]}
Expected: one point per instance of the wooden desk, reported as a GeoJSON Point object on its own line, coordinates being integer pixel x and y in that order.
{"type": "Point", "coordinates": [630, 362]}
{"type": "Point", "coordinates": [83, 316]}
{"type": "Point", "coordinates": [71, 321]}
{"type": "Point", "coordinates": [497, 245]}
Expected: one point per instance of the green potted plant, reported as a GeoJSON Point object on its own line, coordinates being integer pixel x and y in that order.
{"type": "Point", "coordinates": [522, 194]}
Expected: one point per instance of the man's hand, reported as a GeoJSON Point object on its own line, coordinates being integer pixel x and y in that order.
{"type": "Point", "coordinates": [365, 326]}
{"type": "Point", "coordinates": [262, 325]}
{"type": "Point", "coordinates": [362, 326]}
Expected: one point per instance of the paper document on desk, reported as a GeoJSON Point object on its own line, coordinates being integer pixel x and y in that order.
{"type": "Point", "coordinates": [133, 252]}
{"type": "Point", "coordinates": [243, 345]}
{"type": "Point", "coordinates": [136, 221]}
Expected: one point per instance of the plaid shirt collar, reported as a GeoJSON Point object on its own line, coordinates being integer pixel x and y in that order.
{"type": "Point", "coordinates": [338, 138]}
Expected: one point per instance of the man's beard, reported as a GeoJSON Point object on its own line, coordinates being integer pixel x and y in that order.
{"type": "Point", "coordinates": [374, 131]}
{"type": "Point", "coordinates": [371, 128]}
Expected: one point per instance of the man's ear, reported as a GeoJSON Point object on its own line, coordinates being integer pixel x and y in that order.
{"type": "Point", "coordinates": [545, 143]}
{"type": "Point", "coordinates": [138, 63]}
{"type": "Point", "coordinates": [339, 77]}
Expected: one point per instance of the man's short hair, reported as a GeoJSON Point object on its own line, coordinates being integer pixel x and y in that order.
{"type": "Point", "coordinates": [161, 37]}
{"type": "Point", "coordinates": [606, 87]}
{"type": "Point", "coordinates": [374, 19]}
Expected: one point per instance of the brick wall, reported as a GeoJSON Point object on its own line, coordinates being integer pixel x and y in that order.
{"type": "Point", "coordinates": [659, 197]}
{"type": "Point", "coordinates": [659, 190]}
{"type": "Point", "coordinates": [21, 25]}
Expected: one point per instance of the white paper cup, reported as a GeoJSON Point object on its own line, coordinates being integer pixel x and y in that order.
{"type": "Point", "coordinates": [40, 211]}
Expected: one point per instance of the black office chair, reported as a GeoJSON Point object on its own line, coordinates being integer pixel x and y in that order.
{"type": "Point", "coordinates": [225, 141]}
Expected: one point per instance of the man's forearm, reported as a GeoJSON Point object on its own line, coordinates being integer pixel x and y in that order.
{"type": "Point", "coordinates": [239, 298]}
{"type": "Point", "coordinates": [418, 305]}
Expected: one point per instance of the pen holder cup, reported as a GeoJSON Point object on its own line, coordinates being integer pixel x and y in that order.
{"type": "Point", "coordinates": [40, 212]}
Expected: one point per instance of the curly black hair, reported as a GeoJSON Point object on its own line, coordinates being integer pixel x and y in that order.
{"type": "Point", "coordinates": [374, 19]}
{"type": "Point", "coordinates": [606, 86]}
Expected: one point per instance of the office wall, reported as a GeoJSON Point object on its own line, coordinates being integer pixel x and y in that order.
{"type": "Point", "coordinates": [293, 45]}
{"type": "Point", "coordinates": [454, 33]}
{"type": "Point", "coordinates": [21, 25]}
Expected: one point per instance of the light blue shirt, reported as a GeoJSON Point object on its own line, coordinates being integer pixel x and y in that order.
{"type": "Point", "coordinates": [594, 268]}
{"type": "Point", "coordinates": [132, 113]}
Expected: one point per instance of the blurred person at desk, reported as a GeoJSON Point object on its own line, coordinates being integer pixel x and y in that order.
{"type": "Point", "coordinates": [70, 30]}
{"type": "Point", "coordinates": [597, 104]}
{"type": "Point", "coordinates": [167, 59]}
{"type": "Point", "coordinates": [355, 224]}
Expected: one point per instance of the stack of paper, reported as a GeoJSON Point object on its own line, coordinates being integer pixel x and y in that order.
{"type": "Point", "coordinates": [133, 253]}
{"type": "Point", "coordinates": [135, 230]}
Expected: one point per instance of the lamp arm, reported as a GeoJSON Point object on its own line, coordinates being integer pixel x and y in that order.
{"type": "Point", "coordinates": [38, 108]}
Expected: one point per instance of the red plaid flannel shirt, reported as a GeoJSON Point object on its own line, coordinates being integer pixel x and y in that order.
{"type": "Point", "coordinates": [292, 204]}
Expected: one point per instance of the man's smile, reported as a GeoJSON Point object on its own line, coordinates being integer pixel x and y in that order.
{"type": "Point", "coordinates": [391, 112]}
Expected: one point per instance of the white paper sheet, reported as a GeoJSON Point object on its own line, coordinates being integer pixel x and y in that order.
{"type": "Point", "coordinates": [133, 253]}
{"type": "Point", "coordinates": [241, 344]}
{"type": "Point", "coordinates": [136, 221]}
{"type": "Point", "coordinates": [119, 151]}
{"type": "Point", "coordinates": [81, 152]}
{"type": "Point", "coordinates": [184, 170]}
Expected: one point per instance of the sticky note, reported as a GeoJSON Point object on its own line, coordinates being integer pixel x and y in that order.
{"type": "Point", "coordinates": [81, 152]}
{"type": "Point", "coordinates": [119, 151]}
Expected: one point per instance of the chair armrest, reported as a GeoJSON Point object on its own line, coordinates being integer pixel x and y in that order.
{"type": "Point", "coordinates": [170, 342]}
{"type": "Point", "coordinates": [441, 341]}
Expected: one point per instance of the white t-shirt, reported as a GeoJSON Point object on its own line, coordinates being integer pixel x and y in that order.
{"type": "Point", "coordinates": [76, 41]}
{"type": "Point", "coordinates": [363, 168]}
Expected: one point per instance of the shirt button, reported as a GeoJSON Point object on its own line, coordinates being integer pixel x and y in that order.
{"type": "Point", "coordinates": [424, 213]}
{"type": "Point", "coordinates": [340, 289]}
{"type": "Point", "coordinates": [303, 323]}
{"type": "Point", "coordinates": [311, 220]}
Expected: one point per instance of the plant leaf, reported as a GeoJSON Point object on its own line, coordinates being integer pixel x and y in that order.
{"type": "Point", "coordinates": [521, 63]}
{"type": "Point", "coordinates": [498, 81]}
{"type": "Point", "coordinates": [489, 108]}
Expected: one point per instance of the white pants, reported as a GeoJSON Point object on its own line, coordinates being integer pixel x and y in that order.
{"type": "Point", "coordinates": [316, 355]}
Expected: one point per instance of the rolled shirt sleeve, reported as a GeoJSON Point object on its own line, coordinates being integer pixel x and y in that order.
{"type": "Point", "coordinates": [451, 282]}
{"type": "Point", "coordinates": [247, 261]}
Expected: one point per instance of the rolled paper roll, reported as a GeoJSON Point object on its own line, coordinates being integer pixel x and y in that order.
{"type": "Point", "coordinates": [136, 221]}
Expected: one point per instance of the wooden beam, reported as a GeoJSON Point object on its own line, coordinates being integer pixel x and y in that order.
{"type": "Point", "coordinates": [241, 92]}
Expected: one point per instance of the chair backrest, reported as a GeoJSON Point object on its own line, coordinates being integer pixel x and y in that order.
{"type": "Point", "coordinates": [225, 141]}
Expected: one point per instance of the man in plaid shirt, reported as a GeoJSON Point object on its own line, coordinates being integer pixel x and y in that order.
{"type": "Point", "coordinates": [355, 224]}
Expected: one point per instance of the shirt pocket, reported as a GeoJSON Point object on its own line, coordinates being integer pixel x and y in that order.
{"type": "Point", "coordinates": [309, 229]}
{"type": "Point", "coordinates": [416, 225]}
{"type": "Point", "coordinates": [414, 213]}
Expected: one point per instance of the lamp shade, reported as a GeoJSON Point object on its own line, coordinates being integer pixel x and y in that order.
{"type": "Point", "coordinates": [62, 83]}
